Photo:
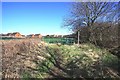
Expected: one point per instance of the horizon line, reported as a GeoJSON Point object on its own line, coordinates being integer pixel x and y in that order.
{"type": "Point", "coordinates": [33, 33]}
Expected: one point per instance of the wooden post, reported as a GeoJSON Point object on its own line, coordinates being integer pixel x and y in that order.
{"type": "Point", "coordinates": [78, 37]}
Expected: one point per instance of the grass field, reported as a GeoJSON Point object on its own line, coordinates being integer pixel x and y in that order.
{"type": "Point", "coordinates": [29, 58]}
{"type": "Point", "coordinates": [72, 61]}
{"type": "Point", "coordinates": [59, 40]}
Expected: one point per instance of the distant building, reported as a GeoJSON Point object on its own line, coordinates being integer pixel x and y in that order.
{"type": "Point", "coordinates": [55, 35]}
{"type": "Point", "coordinates": [38, 36]}
{"type": "Point", "coordinates": [3, 34]}
{"type": "Point", "coordinates": [23, 36]}
{"type": "Point", "coordinates": [15, 34]}
{"type": "Point", "coordinates": [9, 34]}
{"type": "Point", "coordinates": [18, 35]}
{"type": "Point", "coordinates": [58, 36]}
{"type": "Point", "coordinates": [30, 36]}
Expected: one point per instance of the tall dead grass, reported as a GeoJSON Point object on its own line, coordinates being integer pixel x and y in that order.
{"type": "Point", "coordinates": [14, 55]}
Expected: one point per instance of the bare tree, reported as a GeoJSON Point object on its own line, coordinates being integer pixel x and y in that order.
{"type": "Point", "coordinates": [90, 13]}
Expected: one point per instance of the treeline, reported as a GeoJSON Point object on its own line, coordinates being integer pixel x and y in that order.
{"type": "Point", "coordinates": [104, 35]}
{"type": "Point", "coordinates": [97, 23]}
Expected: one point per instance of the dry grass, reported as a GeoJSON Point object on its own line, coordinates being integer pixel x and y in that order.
{"type": "Point", "coordinates": [34, 57]}
{"type": "Point", "coordinates": [18, 55]}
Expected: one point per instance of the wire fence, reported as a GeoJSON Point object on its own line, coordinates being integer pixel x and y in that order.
{"type": "Point", "coordinates": [59, 40]}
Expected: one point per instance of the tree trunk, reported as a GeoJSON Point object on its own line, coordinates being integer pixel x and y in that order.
{"type": "Point", "coordinates": [92, 36]}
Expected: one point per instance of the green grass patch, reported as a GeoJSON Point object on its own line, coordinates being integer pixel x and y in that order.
{"type": "Point", "coordinates": [75, 61]}
{"type": "Point", "coordinates": [59, 40]}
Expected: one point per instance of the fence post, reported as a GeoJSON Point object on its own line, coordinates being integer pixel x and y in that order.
{"type": "Point", "coordinates": [78, 37]}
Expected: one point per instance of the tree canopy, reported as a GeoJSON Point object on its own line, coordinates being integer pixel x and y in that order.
{"type": "Point", "coordinates": [96, 21]}
{"type": "Point", "coordinates": [88, 13]}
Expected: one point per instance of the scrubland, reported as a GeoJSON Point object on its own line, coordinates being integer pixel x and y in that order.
{"type": "Point", "coordinates": [32, 58]}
